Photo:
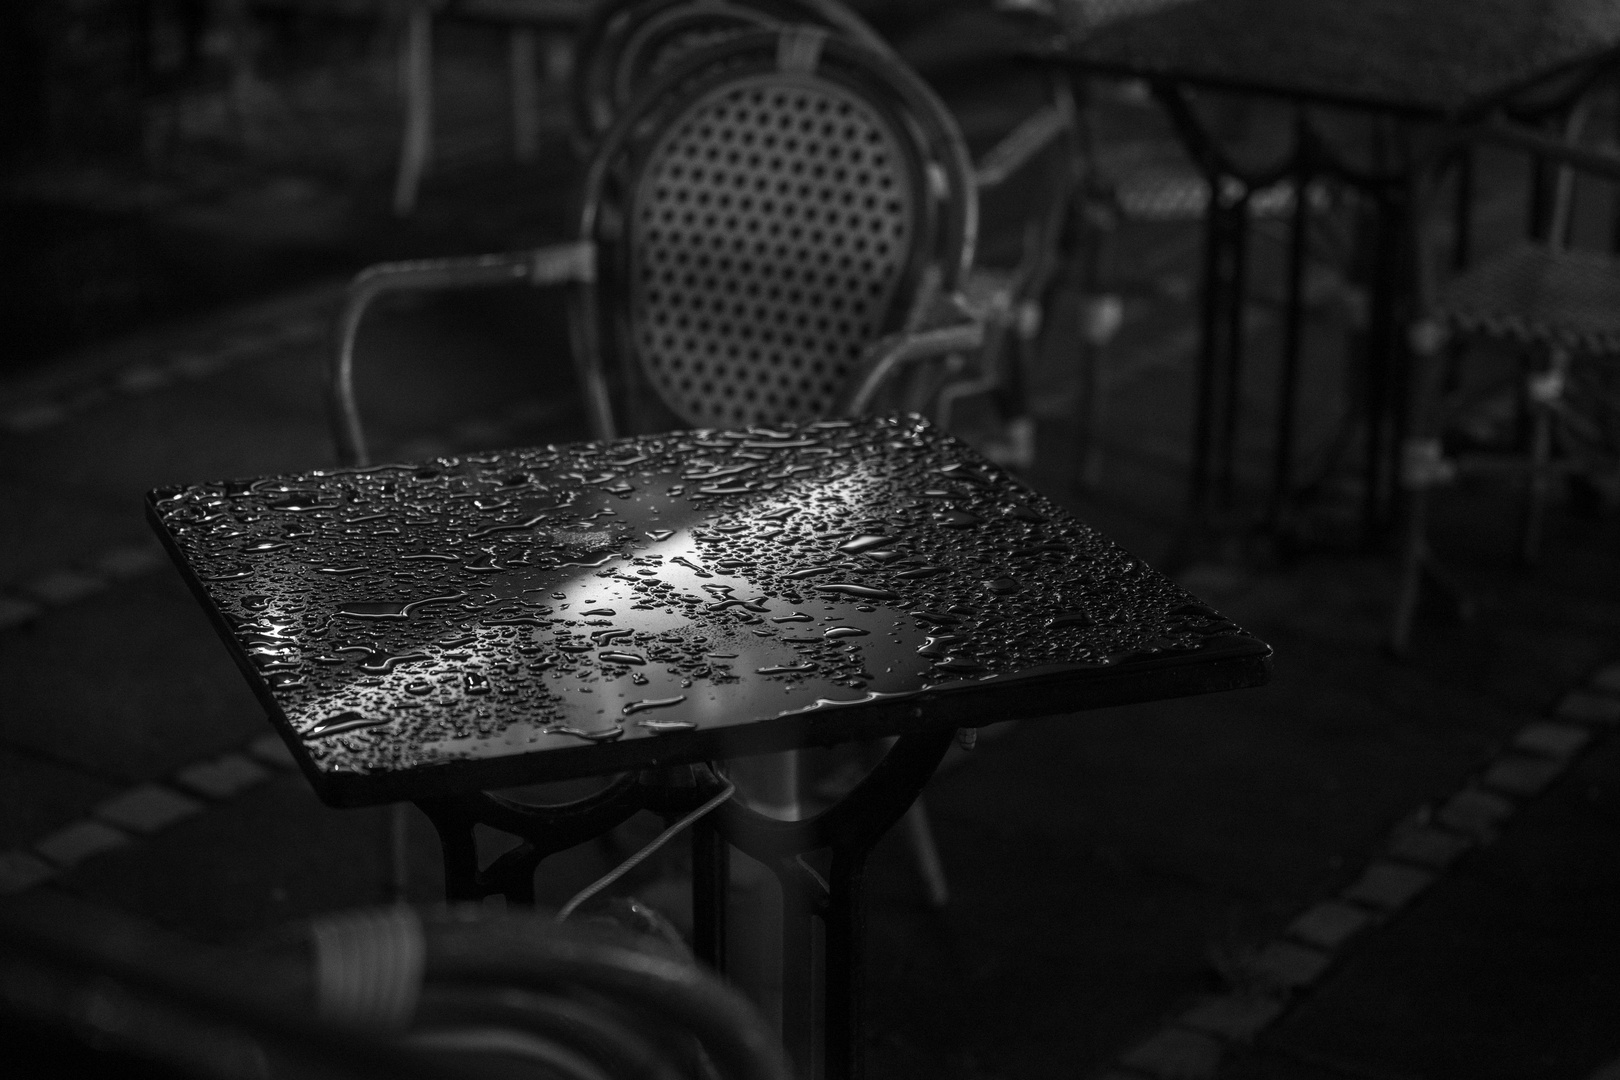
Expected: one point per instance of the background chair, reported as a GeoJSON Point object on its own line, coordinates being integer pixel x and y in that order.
{"type": "Point", "coordinates": [464, 993]}
{"type": "Point", "coordinates": [626, 43]}
{"type": "Point", "coordinates": [1560, 308]}
{"type": "Point", "coordinates": [776, 230]}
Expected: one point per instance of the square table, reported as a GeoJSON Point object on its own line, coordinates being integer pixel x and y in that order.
{"type": "Point", "coordinates": [1425, 66]}
{"type": "Point", "coordinates": [430, 631]}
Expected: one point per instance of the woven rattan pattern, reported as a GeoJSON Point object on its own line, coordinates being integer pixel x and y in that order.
{"type": "Point", "coordinates": [1538, 296]}
{"type": "Point", "coordinates": [771, 233]}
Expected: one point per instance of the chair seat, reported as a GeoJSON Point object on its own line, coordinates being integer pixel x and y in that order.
{"type": "Point", "coordinates": [1537, 296]}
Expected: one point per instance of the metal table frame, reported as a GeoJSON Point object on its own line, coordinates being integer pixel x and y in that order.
{"type": "Point", "coordinates": [1396, 192]}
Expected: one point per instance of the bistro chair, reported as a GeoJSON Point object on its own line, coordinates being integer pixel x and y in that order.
{"type": "Point", "coordinates": [392, 992]}
{"type": "Point", "coordinates": [778, 230]}
{"type": "Point", "coordinates": [1560, 308]}
{"type": "Point", "coordinates": [626, 43]}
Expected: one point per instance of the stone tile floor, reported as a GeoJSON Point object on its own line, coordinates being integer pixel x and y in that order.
{"type": "Point", "coordinates": [1366, 869]}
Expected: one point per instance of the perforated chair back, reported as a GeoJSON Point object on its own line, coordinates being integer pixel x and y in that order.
{"type": "Point", "coordinates": [773, 206]}
{"type": "Point", "coordinates": [627, 43]}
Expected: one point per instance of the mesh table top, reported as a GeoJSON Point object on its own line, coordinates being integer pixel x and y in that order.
{"type": "Point", "coordinates": [1441, 58]}
{"type": "Point", "coordinates": [538, 614]}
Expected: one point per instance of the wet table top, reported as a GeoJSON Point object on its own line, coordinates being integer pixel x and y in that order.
{"type": "Point", "coordinates": [1440, 58]}
{"type": "Point", "coordinates": [538, 614]}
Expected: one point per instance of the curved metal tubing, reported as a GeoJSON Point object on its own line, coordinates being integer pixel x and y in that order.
{"type": "Point", "coordinates": [892, 353]}
{"type": "Point", "coordinates": [728, 1028]}
{"type": "Point", "coordinates": [554, 265]}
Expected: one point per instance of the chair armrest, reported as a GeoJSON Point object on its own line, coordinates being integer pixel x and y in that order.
{"type": "Point", "coordinates": [1034, 134]}
{"type": "Point", "coordinates": [1604, 162]}
{"type": "Point", "coordinates": [888, 355]}
{"type": "Point", "coordinates": [557, 264]}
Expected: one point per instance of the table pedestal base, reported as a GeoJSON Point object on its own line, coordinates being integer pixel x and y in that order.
{"type": "Point", "coordinates": [847, 830]}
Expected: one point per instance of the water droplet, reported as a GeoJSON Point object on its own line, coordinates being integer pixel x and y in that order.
{"type": "Point", "coordinates": [614, 657]}
{"type": "Point", "coordinates": [658, 536]}
{"type": "Point", "coordinates": [797, 616]}
{"type": "Point", "coordinates": [865, 592]}
{"type": "Point", "coordinates": [958, 519]}
{"type": "Point", "coordinates": [812, 571]}
{"type": "Point", "coordinates": [382, 663]}
{"type": "Point", "coordinates": [835, 632]}
{"type": "Point", "coordinates": [785, 669]}
{"type": "Point", "coordinates": [936, 617]}
{"type": "Point", "coordinates": [592, 734]}
{"type": "Point", "coordinates": [865, 542]}
{"type": "Point", "coordinates": [1071, 618]}
{"type": "Point", "coordinates": [652, 703]}
{"type": "Point", "coordinates": [652, 724]}
{"type": "Point", "coordinates": [338, 723]}
{"type": "Point", "coordinates": [1003, 585]}
{"type": "Point", "coordinates": [920, 572]}
{"type": "Point", "coordinates": [391, 609]}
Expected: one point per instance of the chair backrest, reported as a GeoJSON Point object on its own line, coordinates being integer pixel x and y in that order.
{"type": "Point", "coordinates": [626, 43]}
{"type": "Point", "coordinates": [773, 205]}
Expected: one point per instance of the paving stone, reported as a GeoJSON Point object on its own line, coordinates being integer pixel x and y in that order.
{"type": "Point", "coordinates": [147, 808]}
{"type": "Point", "coordinates": [1286, 965]}
{"type": "Point", "coordinates": [131, 560]}
{"type": "Point", "coordinates": [223, 776]}
{"type": "Point", "coordinates": [1176, 1054]}
{"type": "Point", "coordinates": [15, 612]}
{"type": "Point", "coordinates": [198, 365]}
{"type": "Point", "coordinates": [1607, 679]}
{"type": "Point", "coordinates": [272, 751]}
{"type": "Point", "coordinates": [1437, 848]}
{"type": "Point", "coordinates": [142, 378]}
{"type": "Point", "coordinates": [1330, 924]}
{"type": "Point", "coordinates": [20, 870]}
{"type": "Point", "coordinates": [77, 842]}
{"type": "Point", "coordinates": [62, 587]}
{"type": "Point", "coordinates": [1522, 774]}
{"type": "Point", "coordinates": [31, 418]}
{"type": "Point", "coordinates": [1389, 885]}
{"type": "Point", "coordinates": [1475, 812]}
{"type": "Point", "coordinates": [1237, 1017]}
{"type": "Point", "coordinates": [1588, 708]}
{"type": "Point", "coordinates": [1553, 740]}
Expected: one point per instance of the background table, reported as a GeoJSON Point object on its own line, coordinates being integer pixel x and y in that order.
{"type": "Point", "coordinates": [1419, 67]}
{"type": "Point", "coordinates": [429, 631]}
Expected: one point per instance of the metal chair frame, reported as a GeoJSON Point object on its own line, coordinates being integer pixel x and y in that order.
{"type": "Point", "coordinates": [1557, 343]}
{"type": "Point", "coordinates": [625, 43]}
